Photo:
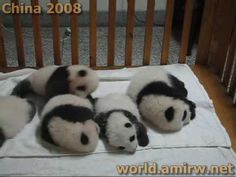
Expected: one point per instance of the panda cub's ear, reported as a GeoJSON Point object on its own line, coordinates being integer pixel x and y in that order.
{"type": "Point", "coordinates": [142, 136]}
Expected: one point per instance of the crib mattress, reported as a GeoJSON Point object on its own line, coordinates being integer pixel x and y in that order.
{"type": "Point", "coordinates": [203, 142]}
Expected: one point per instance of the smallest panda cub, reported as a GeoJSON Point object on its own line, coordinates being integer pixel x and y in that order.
{"type": "Point", "coordinates": [161, 99]}
{"type": "Point", "coordinates": [15, 113]}
{"type": "Point", "coordinates": [67, 122]}
{"type": "Point", "coordinates": [118, 119]}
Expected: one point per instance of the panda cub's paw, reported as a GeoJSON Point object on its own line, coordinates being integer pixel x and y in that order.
{"type": "Point", "coordinates": [67, 122]}
{"type": "Point", "coordinates": [118, 119]}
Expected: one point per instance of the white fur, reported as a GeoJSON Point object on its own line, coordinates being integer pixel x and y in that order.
{"type": "Point", "coordinates": [14, 115]}
{"type": "Point", "coordinates": [153, 109]}
{"type": "Point", "coordinates": [144, 77]}
{"type": "Point", "coordinates": [117, 133]}
{"type": "Point", "coordinates": [116, 101]}
{"type": "Point", "coordinates": [90, 80]}
{"type": "Point", "coordinates": [40, 77]}
{"type": "Point", "coordinates": [67, 134]}
{"type": "Point", "coordinates": [65, 100]}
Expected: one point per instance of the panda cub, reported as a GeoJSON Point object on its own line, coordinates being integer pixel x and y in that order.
{"type": "Point", "coordinates": [161, 99]}
{"type": "Point", "coordinates": [57, 80]}
{"type": "Point", "coordinates": [15, 113]}
{"type": "Point", "coordinates": [118, 119]}
{"type": "Point", "coordinates": [67, 121]}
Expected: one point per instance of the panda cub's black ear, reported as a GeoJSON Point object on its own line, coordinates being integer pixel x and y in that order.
{"type": "Point", "coordinates": [142, 136]}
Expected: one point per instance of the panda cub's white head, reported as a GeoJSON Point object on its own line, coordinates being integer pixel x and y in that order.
{"type": "Point", "coordinates": [167, 113]}
{"type": "Point", "coordinates": [118, 118]}
{"type": "Point", "coordinates": [82, 80]}
{"type": "Point", "coordinates": [67, 121]}
{"type": "Point", "coordinates": [15, 113]}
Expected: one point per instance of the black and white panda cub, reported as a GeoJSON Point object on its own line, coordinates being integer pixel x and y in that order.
{"type": "Point", "coordinates": [118, 119]}
{"type": "Point", "coordinates": [67, 122]}
{"type": "Point", "coordinates": [15, 113]}
{"type": "Point", "coordinates": [57, 80]}
{"type": "Point", "coordinates": [161, 99]}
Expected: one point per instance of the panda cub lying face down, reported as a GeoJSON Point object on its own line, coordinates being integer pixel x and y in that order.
{"type": "Point", "coordinates": [161, 99]}
{"type": "Point", "coordinates": [57, 80]}
{"type": "Point", "coordinates": [15, 113]}
{"type": "Point", "coordinates": [118, 118]}
{"type": "Point", "coordinates": [67, 121]}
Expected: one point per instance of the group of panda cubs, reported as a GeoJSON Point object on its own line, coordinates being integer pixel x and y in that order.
{"type": "Point", "coordinates": [72, 119]}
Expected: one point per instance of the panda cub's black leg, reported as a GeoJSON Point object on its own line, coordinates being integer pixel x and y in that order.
{"type": "Point", "coordinates": [2, 137]}
{"type": "Point", "coordinates": [178, 86]}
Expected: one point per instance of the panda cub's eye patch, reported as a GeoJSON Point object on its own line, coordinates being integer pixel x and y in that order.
{"type": "Point", "coordinates": [82, 73]}
{"type": "Point", "coordinates": [169, 113]}
{"type": "Point", "coordinates": [81, 88]}
{"type": "Point", "coordinates": [84, 139]}
{"type": "Point", "coordinates": [184, 115]}
{"type": "Point", "coordinates": [121, 147]}
{"type": "Point", "coordinates": [132, 138]}
{"type": "Point", "coordinates": [127, 125]}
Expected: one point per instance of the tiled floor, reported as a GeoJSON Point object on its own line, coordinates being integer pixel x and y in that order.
{"type": "Point", "coordinates": [84, 46]}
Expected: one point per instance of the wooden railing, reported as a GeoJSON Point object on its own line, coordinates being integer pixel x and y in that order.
{"type": "Point", "coordinates": [216, 46]}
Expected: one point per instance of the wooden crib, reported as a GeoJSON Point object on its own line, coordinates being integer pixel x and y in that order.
{"type": "Point", "coordinates": [215, 55]}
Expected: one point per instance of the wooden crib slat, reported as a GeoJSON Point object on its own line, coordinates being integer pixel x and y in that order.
{"type": "Point", "coordinates": [19, 37]}
{"type": "Point", "coordinates": [186, 30]}
{"type": "Point", "coordinates": [232, 85]}
{"type": "Point", "coordinates": [74, 36]}
{"type": "Point", "coordinates": [206, 31]}
{"type": "Point", "coordinates": [148, 32]}
{"type": "Point", "coordinates": [223, 25]}
{"type": "Point", "coordinates": [167, 31]}
{"type": "Point", "coordinates": [56, 36]}
{"type": "Point", "coordinates": [111, 32]}
{"type": "Point", "coordinates": [93, 32]}
{"type": "Point", "coordinates": [230, 58]}
{"type": "Point", "coordinates": [37, 36]}
{"type": "Point", "coordinates": [129, 32]}
{"type": "Point", "coordinates": [3, 61]}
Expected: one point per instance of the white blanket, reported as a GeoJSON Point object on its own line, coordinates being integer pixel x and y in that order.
{"type": "Point", "coordinates": [204, 134]}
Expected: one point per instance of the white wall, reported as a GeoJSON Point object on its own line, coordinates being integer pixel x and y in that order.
{"type": "Point", "coordinates": [103, 4]}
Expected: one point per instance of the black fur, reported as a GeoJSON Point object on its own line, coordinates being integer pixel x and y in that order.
{"type": "Point", "coordinates": [178, 86]}
{"type": "Point", "coordinates": [69, 113]}
{"type": "Point", "coordinates": [82, 73]}
{"type": "Point", "coordinates": [161, 88]}
{"type": "Point", "coordinates": [2, 137]}
{"type": "Point", "coordinates": [81, 88]}
{"type": "Point", "coordinates": [58, 83]}
{"type": "Point", "coordinates": [22, 89]}
{"type": "Point", "coordinates": [132, 138]}
{"type": "Point", "coordinates": [84, 139]}
{"type": "Point", "coordinates": [169, 113]}
{"type": "Point", "coordinates": [141, 130]}
{"type": "Point", "coordinates": [184, 115]}
{"type": "Point", "coordinates": [32, 110]}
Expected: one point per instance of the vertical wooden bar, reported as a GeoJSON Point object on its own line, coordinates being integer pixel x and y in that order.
{"type": "Point", "coordinates": [167, 31]}
{"type": "Point", "coordinates": [232, 84]}
{"type": "Point", "coordinates": [37, 36]}
{"type": "Point", "coordinates": [186, 30]}
{"type": "Point", "coordinates": [3, 61]}
{"type": "Point", "coordinates": [225, 15]}
{"type": "Point", "coordinates": [74, 36]}
{"type": "Point", "coordinates": [230, 58]}
{"type": "Point", "coordinates": [93, 32]}
{"type": "Point", "coordinates": [148, 32]}
{"type": "Point", "coordinates": [129, 32]}
{"type": "Point", "coordinates": [18, 36]}
{"type": "Point", "coordinates": [56, 36]}
{"type": "Point", "coordinates": [111, 32]}
{"type": "Point", "coordinates": [208, 21]}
